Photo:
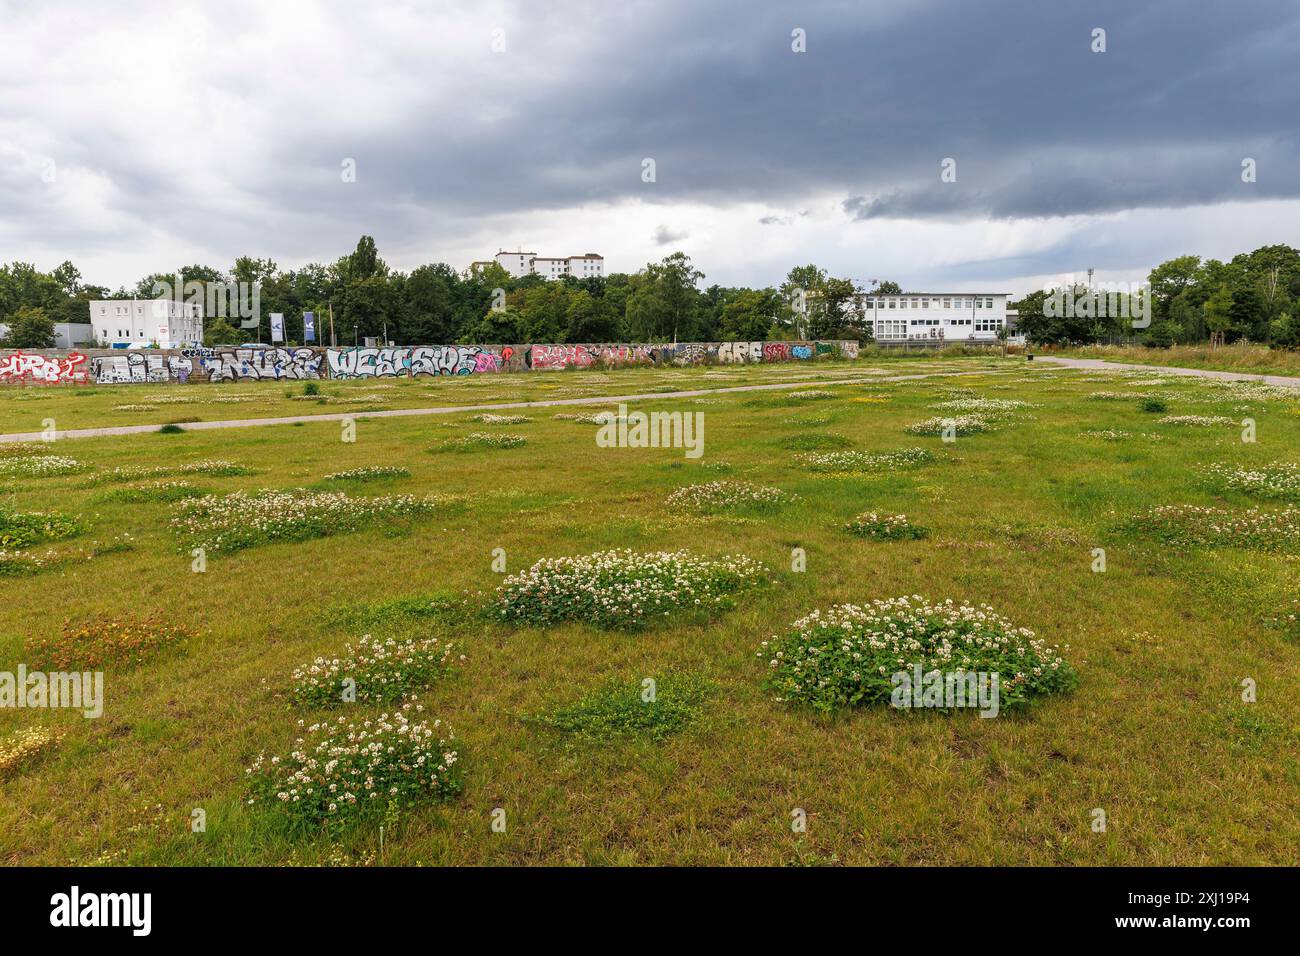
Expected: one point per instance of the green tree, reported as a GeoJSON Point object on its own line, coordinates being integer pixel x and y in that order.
{"type": "Point", "coordinates": [663, 305]}
{"type": "Point", "coordinates": [30, 328]}
{"type": "Point", "coordinates": [220, 332]}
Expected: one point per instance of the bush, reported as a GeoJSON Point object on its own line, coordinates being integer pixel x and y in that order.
{"type": "Point", "coordinates": [382, 671]}
{"type": "Point", "coordinates": [476, 441]}
{"type": "Point", "coordinates": [956, 425]}
{"type": "Point", "coordinates": [19, 529]}
{"type": "Point", "coordinates": [242, 520]}
{"type": "Point", "coordinates": [722, 497]}
{"type": "Point", "coordinates": [847, 656]}
{"type": "Point", "coordinates": [104, 640]}
{"type": "Point", "coordinates": [623, 589]}
{"type": "Point", "coordinates": [171, 429]}
{"type": "Point", "coordinates": [885, 527]}
{"type": "Point", "coordinates": [813, 441]}
{"type": "Point", "coordinates": [21, 746]}
{"type": "Point", "coordinates": [349, 769]}
{"type": "Point", "coordinates": [1210, 527]}
{"type": "Point", "coordinates": [628, 708]}
{"type": "Point", "coordinates": [310, 388]}
{"type": "Point", "coordinates": [1153, 405]}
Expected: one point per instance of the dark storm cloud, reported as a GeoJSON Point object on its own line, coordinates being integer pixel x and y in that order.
{"type": "Point", "coordinates": [1038, 124]}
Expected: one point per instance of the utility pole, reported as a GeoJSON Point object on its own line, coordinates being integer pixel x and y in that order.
{"type": "Point", "coordinates": [333, 341]}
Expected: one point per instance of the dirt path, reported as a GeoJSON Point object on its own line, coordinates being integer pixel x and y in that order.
{"type": "Point", "coordinates": [1103, 365]}
{"type": "Point", "coordinates": [457, 409]}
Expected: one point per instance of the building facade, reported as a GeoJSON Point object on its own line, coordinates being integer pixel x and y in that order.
{"type": "Point", "coordinates": [140, 323]}
{"type": "Point", "coordinates": [946, 316]}
{"type": "Point", "coordinates": [519, 264]}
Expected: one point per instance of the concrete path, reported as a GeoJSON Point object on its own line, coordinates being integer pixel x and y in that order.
{"type": "Point", "coordinates": [1103, 365]}
{"type": "Point", "coordinates": [862, 379]}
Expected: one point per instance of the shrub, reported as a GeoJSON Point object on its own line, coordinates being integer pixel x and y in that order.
{"type": "Point", "coordinates": [19, 529]}
{"type": "Point", "coordinates": [21, 746]}
{"type": "Point", "coordinates": [225, 523]}
{"type": "Point", "coordinates": [1212, 527]}
{"type": "Point", "coordinates": [489, 419]}
{"type": "Point", "coordinates": [627, 708]}
{"type": "Point", "coordinates": [374, 473]}
{"type": "Point", "coordinates": [1197, 421]}
{"type": "Point", "coordinates": [810, 395]}
{"type": "Point", "coordinates": [481, 440]}
{"type": "Point", "coordinates": [624, 589]}
{"type": "Point", "coordinates": [957, 425]}
{"type": "Point", "coordinates": [846, 656]}
{"type": "Point", "coordinates": [171, 428]}
{"type": "Point", "coordinates": [1278, 480]}
{"type": "Point", "coordinates": [310, 388]}
{"type": "Point", "coordinates": [439, 608]}
{"type": "Point", "coordinates": [383, 671]}
{"type": "Point", "coordinates": [721, 497]}
{"type": "Point", "coordinates": [104, 640]}
{"type": "Point", "coordinates": [15, 563]}
{"type": "Point", "coordinates": [858, 462]}
{"type": "Point", "coordinates": [217, 468]}
{"type": "Point", "coordinates": [350, 768]}
{"type": "Point", "coordinates": [990, 406]}
{"type": "Point", "coordinates": [886, 527]}
{"type": "Point", "coordinates": [154, 491]}
{"type": "Point", "coordinates": [813, 441]}
{"type": "Point", "coordinates": [38, 466]}
{"type": "Point", "coordinates": [1153, 405]}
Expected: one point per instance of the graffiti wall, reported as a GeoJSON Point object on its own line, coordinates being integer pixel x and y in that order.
{"type": "Point", "coordinates": [416, 360]}
{"type": "Point", "coordinates": [218, 365]}
{"type": "Point", "coordinates": [43, 369]}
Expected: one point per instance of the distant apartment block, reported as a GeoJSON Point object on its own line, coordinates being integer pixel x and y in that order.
{"type": "Point", "coordinates": [167, 324]}
{"type": "Point", "coordinates": [950, 316]}
{"type": "Point", "coordinates": [520, 264]}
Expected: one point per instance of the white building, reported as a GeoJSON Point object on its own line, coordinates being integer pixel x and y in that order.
{"type": "Point", "coordinates": [164, 323]}
{"type": "Point", "coordinates": [520, 264]}
{"type": "Point", "coordinates": [946, 316]}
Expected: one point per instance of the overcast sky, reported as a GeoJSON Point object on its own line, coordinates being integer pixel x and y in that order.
{"type": "Point", "coordinates": [139, 137]}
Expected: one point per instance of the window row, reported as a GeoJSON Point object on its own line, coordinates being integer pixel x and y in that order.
{"type": "Point", "coordinates": [923, 302]}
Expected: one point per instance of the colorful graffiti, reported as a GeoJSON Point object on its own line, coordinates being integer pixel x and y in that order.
{"type": "Point", "coordinates": [560, 356]}
{"type": "Point", "coordinates": [413, 361]}
{"type": "Point", "coordinates": [54, 370]}
{"type": "Point", "coordinates": [274, 363]}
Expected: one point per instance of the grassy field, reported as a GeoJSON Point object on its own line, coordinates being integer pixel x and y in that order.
{"type": "Point", "coordinates": [1239, 357]}
{"type": "Point", "coordinates": [24, 409]}
{"type": "Point", "coordinates": [1156, 733]}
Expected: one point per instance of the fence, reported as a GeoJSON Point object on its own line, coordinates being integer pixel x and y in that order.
{"type": "Point", "coordinates": [228, 364]}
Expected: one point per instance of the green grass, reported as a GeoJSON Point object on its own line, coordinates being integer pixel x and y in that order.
{"type": "Point", "coordinates": [1155, 732]}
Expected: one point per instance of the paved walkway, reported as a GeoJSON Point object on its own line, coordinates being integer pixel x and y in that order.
{"type": "Point", "coordinates": [862, 379]}
{"type": "Point", "coordinates": [1103, 365]}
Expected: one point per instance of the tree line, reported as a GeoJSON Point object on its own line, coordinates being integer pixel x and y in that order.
{"type": "Point", "coordinates": [1253, 297]}
{"type": "Point", "coordinates": [435, 304]}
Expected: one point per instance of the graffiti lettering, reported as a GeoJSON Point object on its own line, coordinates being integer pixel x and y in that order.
{"type": "Point", "coordinates": [418, 360]}
{"type": "Point", "coordinates": [229, 365]}
{"type": "Point", "coordinates": [560, 356]}
{"type": "Point", "coordinates": [21, 367]}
